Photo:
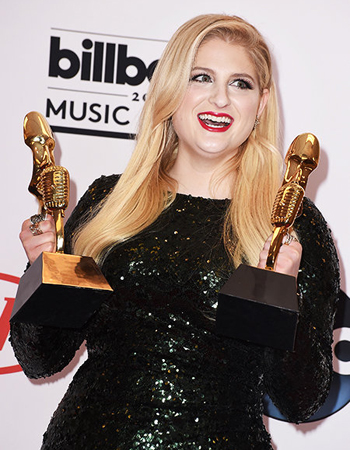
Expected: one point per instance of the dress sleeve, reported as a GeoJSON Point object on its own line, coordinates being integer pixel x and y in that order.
{"type": "Point", "coordinates": [43, 351]}
{"type": "Point", "coordinates": [298, 382]}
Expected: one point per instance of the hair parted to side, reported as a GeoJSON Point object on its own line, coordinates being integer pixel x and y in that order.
{"type": "Point", "coordinates": [145, 189]}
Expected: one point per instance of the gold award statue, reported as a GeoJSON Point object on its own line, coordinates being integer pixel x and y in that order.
{"type": "Point", "coordinates": [49, 183]}
{"type": "Point", "coordinates": [57, 290]}
{"type": "Point", "coordinates": [261, 305]}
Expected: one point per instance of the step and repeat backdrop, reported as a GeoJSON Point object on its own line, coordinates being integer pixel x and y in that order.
{"type": "Point", "coordinates": [86, 65]}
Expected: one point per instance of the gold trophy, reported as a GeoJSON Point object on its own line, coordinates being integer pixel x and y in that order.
{"type": "Point", "coordinates": [261, 305]}
{"type": "Point", "coordinates": [57, 290]}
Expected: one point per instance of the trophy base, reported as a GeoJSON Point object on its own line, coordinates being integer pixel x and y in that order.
{"type": "Point", "coordinates": [259, 306]}
{"type": "Point", "coordinates": [60, 290]}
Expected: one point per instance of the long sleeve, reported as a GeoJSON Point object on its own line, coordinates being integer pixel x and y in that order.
{"type": "Point", "coordinates": [298, 382]}
{"type": "Point", "coordinates": [42, 351]}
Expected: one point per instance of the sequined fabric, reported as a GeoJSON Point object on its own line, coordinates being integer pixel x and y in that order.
{"type": "Point", "coordinates": [157, 377]}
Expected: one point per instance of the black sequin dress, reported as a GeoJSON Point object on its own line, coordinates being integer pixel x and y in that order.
{"type": "Point", "coordinates": [157, 377]}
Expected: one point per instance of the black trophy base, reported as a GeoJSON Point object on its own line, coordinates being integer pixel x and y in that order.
{"type": "Point", "coordinates": [60, 290]}
{"type": "Point", "coordinates": [259, 306]}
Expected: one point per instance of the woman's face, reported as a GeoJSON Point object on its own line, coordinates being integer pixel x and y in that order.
{"type": "Point", "coordinates": [221, 103]}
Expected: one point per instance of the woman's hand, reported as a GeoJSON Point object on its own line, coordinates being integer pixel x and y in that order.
{"type": "Point", "coordinates": [288, 258]}
{"type": "Point", "coordinates": [42, 237]}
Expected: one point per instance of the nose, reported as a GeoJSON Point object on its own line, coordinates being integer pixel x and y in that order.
{"type": "Point", "coordinates": [219, 95]}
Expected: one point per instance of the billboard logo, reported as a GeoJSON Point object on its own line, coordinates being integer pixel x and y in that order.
{"type": "Point", "coordinates": [98, 83]}
{"type": "Point", "coordinates": [102, 63]}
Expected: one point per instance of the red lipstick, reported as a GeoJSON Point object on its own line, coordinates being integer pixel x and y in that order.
{"type": "Point", "coordinates": [215, 122]}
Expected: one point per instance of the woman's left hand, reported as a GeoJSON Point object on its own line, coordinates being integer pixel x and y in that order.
{"type": "Point", "coordinates": [288, 258]}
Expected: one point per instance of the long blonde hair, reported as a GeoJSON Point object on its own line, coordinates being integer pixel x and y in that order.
{"type": "Point", "coordinates": [145, 189]}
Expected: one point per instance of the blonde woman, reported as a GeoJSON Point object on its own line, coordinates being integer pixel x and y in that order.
{"type": "Point", "coordinates": [193, 203]}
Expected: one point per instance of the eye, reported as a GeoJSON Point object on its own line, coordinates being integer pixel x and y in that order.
{"type": "Point", "coordinates": [241, 84]}
{"type": "Point", "coordinates": [201, 78]}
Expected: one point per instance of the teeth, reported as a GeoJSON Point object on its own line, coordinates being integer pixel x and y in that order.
{"type": "Point", "coordinates": [223, 119]}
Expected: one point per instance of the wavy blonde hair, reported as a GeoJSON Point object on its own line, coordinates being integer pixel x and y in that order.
{"type": "Point", "coordinates": [145, 189]}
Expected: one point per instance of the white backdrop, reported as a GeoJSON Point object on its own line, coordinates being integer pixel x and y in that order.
{"type": "Point", "coordinates": [309, 41]}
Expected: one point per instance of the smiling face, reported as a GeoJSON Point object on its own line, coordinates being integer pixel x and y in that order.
{"type": "Point", "coordinates": [221, 103]}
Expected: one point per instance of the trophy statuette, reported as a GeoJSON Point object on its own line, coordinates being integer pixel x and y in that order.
{"type": "Point", "coordinates": [261, 305]}
{"type": "Point", "coordinates": [49, 183]}
{"type": "Point", "coordinates": [57, 290]}
{"type": "Point", "coordinates": [301, 159]}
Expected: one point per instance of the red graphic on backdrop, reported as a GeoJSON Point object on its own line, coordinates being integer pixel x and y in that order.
{"type": "Point", "coordinates": [5, 323]}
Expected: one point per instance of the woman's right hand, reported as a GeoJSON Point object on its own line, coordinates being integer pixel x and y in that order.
{"type": "Point", "coordinates": [34, 245]}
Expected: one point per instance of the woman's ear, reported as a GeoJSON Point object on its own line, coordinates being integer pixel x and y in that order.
{"type": "Point", "coordinates": [263, 101]}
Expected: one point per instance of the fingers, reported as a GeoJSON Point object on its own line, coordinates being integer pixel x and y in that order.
{"type": "Point", "coordinates": [38, 237]}
{"type": "Point", "coordinates": [288, 258]}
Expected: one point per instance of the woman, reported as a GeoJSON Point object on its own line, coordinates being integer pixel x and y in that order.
{"type": "Point", "coordinates": [194, 202]}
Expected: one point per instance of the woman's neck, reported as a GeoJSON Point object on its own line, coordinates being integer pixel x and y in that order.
{"type": "Point", "coordinates": [200, 181]}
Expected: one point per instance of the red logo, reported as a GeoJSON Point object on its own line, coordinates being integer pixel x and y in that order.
{"type": "Point", "coordinates": [5, 310]}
